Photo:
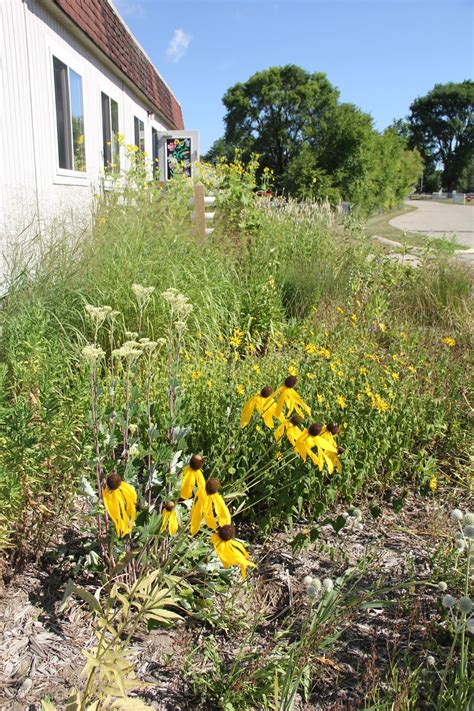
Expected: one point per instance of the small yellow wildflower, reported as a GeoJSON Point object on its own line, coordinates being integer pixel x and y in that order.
{"type": "Point", "coordinates": [340, 373]}
{"type": "Point", "coordinates": [363, 371]}
{"type": "Point", "coordinates": [120, 500]}
{"type": "Point", "coordinates": [403, 335]}
{"type": "Point", "coordinates": [433, 483]}
{"type": "Point", "coordinates": [341, 401]}
{"type": "Point", "coordinates": [240, 390]}
{"type": "Point", "coordinates": [210, 383]}
{"type": "Point", "coordinates": [411, 369]}
{"type": "Point", "coordinates": [256, 368]}
{"type": "Point", "coordinates": [325, 353]}
{"type": "Point", "coordinates": [310, 348]}
{"type": "Point", "coordinates": [448, 341]}
{"type": "Point", "coordinates": [292, 370]}
{"type": "Point", "coordinates": [320, 399]}
{"type": "Point", "coordinates": [341, 311]}
{"type": "Point", "coordinates": [310, 376]}
{"type": "Point", "coordinates": [379, 403]}
{"type": "Point", "coordinates": [396, 376]}
{"type": "Point", "coordinates": [383, 327]}
{"type": "Point", "coordinates": [354, 318]}
{"type": "Point", "coordinates": [196, 374]}
{"type": "Point", "coordinates": [236, 339]}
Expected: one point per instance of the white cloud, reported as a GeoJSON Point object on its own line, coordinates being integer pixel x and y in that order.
{"type": "Point", "coordinates": [177, 46]}
{"type": "Point", "coordinates": [130, 8]}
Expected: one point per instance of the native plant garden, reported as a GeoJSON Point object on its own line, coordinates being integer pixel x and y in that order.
{"type": "Point", "coordinates": [234, 473]}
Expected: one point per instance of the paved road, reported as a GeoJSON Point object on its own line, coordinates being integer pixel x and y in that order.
{"type": "Point", "coordinates": [438, 220]}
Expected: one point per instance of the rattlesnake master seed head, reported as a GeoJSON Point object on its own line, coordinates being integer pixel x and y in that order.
{"type": "Point", "coordinates": [468, 519]}
{"type": "Point", "coordinates": [290, 381]}
{"type": "Point", "coordinates": [469, 531]}
{"type": "Point", "coordinates": [456, 516]}
{"type": "Point", "coordinates": [328, 585]}
{"type": "Point", "coordinates": [296, 420]}
{"type": "Point", "coordinates": [113, 481]}
{"type": "Point", "coordinates": [196, 462]}
{"type": "Point", "coordinates": [470, 626]}
{"type": "Point", "coordinates": [307, 580]}
{"type": "Point", "coordinates": [332, 428]}
{"type": "Point", "coordinates": [465, 605]}
{"type": "Point", "coordinates": [460, 544]}
{"type": "Point", "coordinates": [212, 486]}
{"type": "Point", "coordinates": [448, 601]}
{"type": "Point", "coordinates": [226, 533]}
{"type": "Point", "coordinates": [315, 429]}
{"type": "Point", "coordinates": [442, 586]}
{"type": "Point", "coordinates": [431, 661]}
{"type": "Point", "coordinates": [169, 506]}
{"type": "Point", "coordinates": [266, 391]}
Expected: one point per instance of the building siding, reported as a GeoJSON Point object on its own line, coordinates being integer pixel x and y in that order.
{"type": "Point", "coordinates": [34, 192]}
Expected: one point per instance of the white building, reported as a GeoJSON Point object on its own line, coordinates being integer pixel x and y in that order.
{"type": "Point", "coordinates": [72, 77]}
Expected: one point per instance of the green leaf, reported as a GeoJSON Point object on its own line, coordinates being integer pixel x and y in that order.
{"type": "Point", "coordinates": [88, 597]}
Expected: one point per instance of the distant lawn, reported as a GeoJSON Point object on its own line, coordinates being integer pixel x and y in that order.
{"type": "Point", "coordinates": [379, 226]}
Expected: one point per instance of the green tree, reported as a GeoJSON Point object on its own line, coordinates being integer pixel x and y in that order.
{"type": "Point", "coordinates": [272, 113]}
{"type": "Point", "coordinates": [442, 128]}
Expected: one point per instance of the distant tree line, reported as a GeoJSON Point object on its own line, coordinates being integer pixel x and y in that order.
{"type": "Point", "coordinates": [320, 148]}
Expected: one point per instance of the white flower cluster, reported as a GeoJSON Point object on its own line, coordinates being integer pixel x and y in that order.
{"type": "Point", "coordinates": [130, 350]}
{"type": "Point", "coordinates": [92, 353]}
{"type": "Point", "coordinates": [179, 306]}
{"type": "Point", "coordinates": [142, 293]}
{"type": "Point", "coordinates": [314, 586]}
{"type": "Point", "coordinates": [98, 314]}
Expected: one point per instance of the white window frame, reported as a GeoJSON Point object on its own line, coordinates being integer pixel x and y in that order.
{"type": "Point", "coordinates": [104, 86]}
{"type": "Point", "coordinates": [64, 176]}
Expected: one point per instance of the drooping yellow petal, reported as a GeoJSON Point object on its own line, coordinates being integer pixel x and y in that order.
{"type": "Point", "coordinates": [173, 523]}
{"type": "Point", "coordinates": [166, 515]}
{"type": "Point", "coordinates": [281, 393]}
{"type": "Point", "coordinates": [280, 431]}
{"type": "Point", "coordinates": [247, 411]}
{"type": "Point", "coordinates": [129, 491]}
{"type": "Point", "coordinates": [188, 483]}
{"type": "Point", "coordinates": [222, 512]}
{"type": "Point", "coordinates": [196, 514]}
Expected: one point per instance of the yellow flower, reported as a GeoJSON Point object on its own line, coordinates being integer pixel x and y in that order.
{"type": "Point", "coordinates": [230, 551]}
{"type": "Point", "coordinates": [170, 519]}
{"type": "Point", "coordinates": [292, 370]}
{"type": "Point", "coordinates": [341, 311]}
{"type": "Point", "coordinates": [208, 503]}
{"type": "Point", "coordinates": [236, 339]}
{"type": "Point", "coordinates": [396, 376]}
{"type": "Point", "coordinates": [383, 327]}
{"type": "Point", "coordinates": [363, 371]}
{"type": "Point", "coordinates": [403, 335]}
{"type": "Point", "coordinates": [192, 477]}
{"type": "Point", "coordinates": [433, 483]}
{"type": "Point", "coordinates": [256, 369]}
{"type": "Point", "coordinates": [318, 436]}
{"type": "Point", "coordinates": [325, 353]}
{"type": "Point", "coordinates": [340, 373]}
{"type": "Point", "coordinates": [240, 390]}
{"type": "Point", "coordinates": [120, 500]}
{"type": "Point", "coordinates": [310, 376]}
{"type": "Point", "coordinates": [310, 348]}
{"type": "Point", "coordinates": [320, 399]}
{"type": "Point", "coordinates": [411, 369]}
{"type": "Point", "coordinates": [196, 374]}
{"type": "Point", "coordinates": [341, 401]}
{"type": "Point", "coordinates": [379, 403]}
{"type": "Point", "coordinates": [290, 428]}
{"type": "Point", "coordinates": [354, 318]}
{"type": "Point", "coordinates": [448, 341]}
{"type": "Point", "coordinates": [287, 396]}
{"type": "Point", "coordinates": [264, 403]}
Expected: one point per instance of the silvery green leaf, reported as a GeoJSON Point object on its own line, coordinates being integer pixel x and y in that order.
{"type": "Point", "coordinates": [175, 463]}
{"type": "Point", "coordinates": [87, 489]}
{"type": "Point", "coordinates": [180, 432]}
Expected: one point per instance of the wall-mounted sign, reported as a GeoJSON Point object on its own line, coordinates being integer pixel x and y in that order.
{"type": "Point", "coordinates": [178, 156]}
{"type": "Point", "coordinates": [178, 151]}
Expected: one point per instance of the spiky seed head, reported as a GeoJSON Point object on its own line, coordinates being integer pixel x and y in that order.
{"type": "Point", "coordinates": [332, 428]}
{"type": "Point", "coordinates": [469, 531]}
{"type": "Point", "coordinates": [290, 381]}
{"type": "Point", "coordinates": [442, 586]}
{"type": "Point", "coordinates": [448, 601]}
{"type": "Point", "coordinates": [307, 580]}
{"type": "Point", "coordinates": [169, 506]}
{"type": "Point", "coordinates": [266, 391]}
{"type": "Point", "coordinates": [196, 462]}
{"type": "Point", "coordinates": [315, 429]}
{"type": "Point", "coordinates": [456, 516]}
{"type": "Point", "coordinates": [226, 533]}
{"type": "Point", "coordinates": [113, 481]}
{"type": "Point", "coordinates": [468, 519]}
{"type": "Point", "coordinates": [212, 486]}
{"type": "Point", "coordinates": [296, 420]}
{"type": "Point", "coordinates": [328, 585]}
{"type": "Point", "coordinates": [465, 605]}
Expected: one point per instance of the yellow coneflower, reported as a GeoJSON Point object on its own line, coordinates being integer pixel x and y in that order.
{"type": "Point", "coordinates": [170, 519]}
{"type": "Point", "coordinates": [291, 428]}
{"type": "Point", "coordinates": [192, 477]}
{"type": "Point", "coordinates": [230, 551]}
{"type": "Point", "coordinates": [332, 459]}
{"type": "Point", "coordinates": [312, 438]}
{"type": "Point", "coordinates": [209, 504]}
{"type": "Point", "coordinates": [120, 500]}
{"type": "Point", "coordinates": [287, 396]}
{"type": "Point", "coordinates": [263, 403]}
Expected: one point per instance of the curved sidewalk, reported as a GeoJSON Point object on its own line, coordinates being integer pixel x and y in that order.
{"type": "Point", "coordinates": [438, 220]}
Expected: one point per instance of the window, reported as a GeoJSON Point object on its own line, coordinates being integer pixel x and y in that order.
{"type": "Point", "coordinates": [110, 130]}
{"type": "Point", "coordinates": [139, 134]}
{"type": "Point", "coordinates": [69, 117]}
{"type": "Point", "coordinates": [155, 144]}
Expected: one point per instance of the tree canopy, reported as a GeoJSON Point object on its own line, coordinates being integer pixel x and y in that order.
{"type": "Point", "coordinates": [442, 128]}
{"type": "Point", "coordinates": [315, 146]}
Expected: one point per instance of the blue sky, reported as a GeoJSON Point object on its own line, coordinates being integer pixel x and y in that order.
{"type": "Point", "coordinates": [380, 54]}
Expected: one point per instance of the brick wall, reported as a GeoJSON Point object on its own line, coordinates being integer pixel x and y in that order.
{"type": "Point", "coordinates": [97, 19]}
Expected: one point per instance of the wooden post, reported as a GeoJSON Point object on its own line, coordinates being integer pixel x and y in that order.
{"type": "Point", "coordinates": [199, 210]}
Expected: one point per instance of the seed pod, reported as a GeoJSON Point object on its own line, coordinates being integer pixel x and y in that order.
{"type": "Point", "coordinates": [196, 462]}
{"type": "Point", "coordinates": [290, 381]}
{"type": "Point", "coordinates": [226, 533]}
{"type": "Point", "coordinates": [212, 486]}
{"type": "Point", "coordinates": [315, 429]}
{"type": "Point", "coordinates": [113, 481]}
{"type": "Point", "coordinates": [266, 391]}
